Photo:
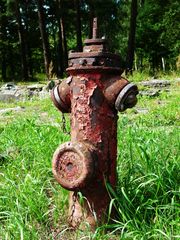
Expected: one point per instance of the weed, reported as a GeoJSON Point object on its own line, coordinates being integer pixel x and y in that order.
{"type": "Point", "coordinates": [33, 205]}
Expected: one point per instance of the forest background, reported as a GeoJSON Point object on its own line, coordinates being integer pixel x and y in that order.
{"type": "Point", "coordinates": [36, 35]}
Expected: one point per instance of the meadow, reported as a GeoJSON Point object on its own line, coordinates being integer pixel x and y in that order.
{"type": "Point", "coordinates": [33, 205]}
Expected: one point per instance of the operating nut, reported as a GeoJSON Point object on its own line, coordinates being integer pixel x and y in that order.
{"type": "Point", "coordinates": [73, 165]}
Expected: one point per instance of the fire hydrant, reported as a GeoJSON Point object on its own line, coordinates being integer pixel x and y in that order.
{"type": "Point", "coordinates": [93, 93]}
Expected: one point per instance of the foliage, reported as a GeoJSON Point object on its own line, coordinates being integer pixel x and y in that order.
{"type": "Point", "coordinates": [157, 33]}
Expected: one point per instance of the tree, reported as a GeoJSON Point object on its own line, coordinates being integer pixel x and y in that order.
{"type": "Point", "coordinates": [78, 24]}
{"type": "Point", "coordinates": [169, 36]}
{"type": "Point", "coordinates": [60, 54]}
{"type": "Point", "coordinates": [26, 19]}
{"type": "Point", "coordinates": [64, 42]}
{"type": "Point", "coordinates": [44, 37]}
{"type": "Point", "coordinates": [21, 34]}
{"type": "Point", "coordinates": [3, 40]}
{"type": "Point", "coordinates": [60, 26]}
{"type": "Point", "coordinates": [131, 40]}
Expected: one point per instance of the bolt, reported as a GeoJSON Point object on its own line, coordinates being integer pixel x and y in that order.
{"type": "Point", "coordinates": [83, 62]}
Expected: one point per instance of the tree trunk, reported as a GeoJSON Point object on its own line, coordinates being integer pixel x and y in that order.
{"type": "Point", "coordinates": [3, 36]}
{"type": "Point", "coordinates": [78, 26]}
{"type": "Point", "coordinates": [27, 39]}
{"type": "Point", "coordinates": [44, 36]}
{"type": "Point", "coordinates": [64, 42]}
{"type": "Point", "coordinates": [60, 54]}
{"type": "Point", "coordinates": [24, 66]}
{"type": "Point", "coordinates": [3, 66]}
{"type": "Point", "coordinates": [131, 40]}
{"type": "Point", "coordinates": [163, 64]}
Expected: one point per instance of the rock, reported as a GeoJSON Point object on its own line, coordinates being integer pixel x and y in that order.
{"type": "Point", "coordinates": [9, 86]}
{"type": "Point", "coordinates": [38, 90]}
{"type": "Point", "coordinates": [141, 110]}
{"type": "Point", "coordinates": [156, 83]}
{"type": "Point", "coordinates": [35, 87]}
{"type": "Point", "coordinates": [6, 110]}
{"type": "Point", "coordinates": [149, 93]}
{"type": "Point", "coordinates": [9, 95]}
{"type": "Point", "coordinates": [44, 94]}
{"type": "Point", "coordinates": [10, 92]}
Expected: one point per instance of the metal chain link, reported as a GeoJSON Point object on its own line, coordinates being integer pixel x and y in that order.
{"type": "Point", "coordinates": [74, 198]}
{"type": "Point", "coordinates": [64, 129]}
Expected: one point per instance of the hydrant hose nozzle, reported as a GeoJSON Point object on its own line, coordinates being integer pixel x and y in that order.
{"type": "Point", "coordinates": [127, 97]}
{"type": "Point", "coordinates": [73, 165]}
{"type": "Point", "coordinates": [60, 95]}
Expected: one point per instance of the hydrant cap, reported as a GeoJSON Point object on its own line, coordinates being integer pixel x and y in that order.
{"type": "Point", "coordinates": [127, 97]}
{"type": "Point", "coordinates": [73, 165]}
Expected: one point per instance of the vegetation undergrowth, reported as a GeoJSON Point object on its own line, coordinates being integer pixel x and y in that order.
{"type": "Point", "coordinates": [32, 204]}
{"type": "Point", "coordinates": [139, 76]}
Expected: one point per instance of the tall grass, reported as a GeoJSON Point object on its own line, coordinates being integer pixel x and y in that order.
{"type": "Point", "coordinates": [32, 204]}
{"type": "Point", "coordinates": [147, 195]}
{"type": "Point", "coordinates": [26, 182]}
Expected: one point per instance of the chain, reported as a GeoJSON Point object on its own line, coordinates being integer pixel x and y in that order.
{"type": "Point", "coordinates": [74, 198]}
{"type": "Point", "coordinates": [64, 124]}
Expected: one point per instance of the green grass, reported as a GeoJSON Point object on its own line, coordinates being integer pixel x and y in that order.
{"type": "Point", "coordinates": [145, 75]}
{"type": "Point", "coordinates": [32, 204]}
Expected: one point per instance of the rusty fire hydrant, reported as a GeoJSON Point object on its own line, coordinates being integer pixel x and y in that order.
{"type": "Point", "coordinates": [93, 94]}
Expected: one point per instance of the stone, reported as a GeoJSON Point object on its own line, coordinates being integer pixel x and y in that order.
{"type": "Point", "coordinates": [6, 110]}
{"type": "Point", "coordinates": [35, 87]}
{"type": "Point", "coordinates": [141, 110]}
{"type": "Point", "coordinates": [156, 83]}
{"type": "Point", "coordinates": [9, 86]}
{"type": "Point", "coordinates": [9, 95]}
{"type": "Point", "coordinates": [9, 92]}
{"type": "Point", "coordinates": [43, 94]}
{"type": "Point", "coordinates": [150, 93]}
